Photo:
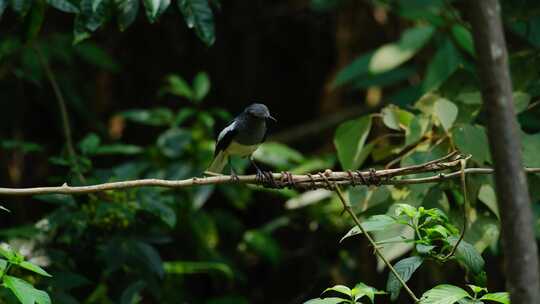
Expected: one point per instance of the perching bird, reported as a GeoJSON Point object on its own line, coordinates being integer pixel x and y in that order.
{"type": "Point", "coordinates": [241, 137]}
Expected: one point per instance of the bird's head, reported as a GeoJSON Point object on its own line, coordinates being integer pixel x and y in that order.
{"type": "Point", "coordinates": [258, 110]}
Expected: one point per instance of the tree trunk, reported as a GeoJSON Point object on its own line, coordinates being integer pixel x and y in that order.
{"type": "Point", "coordinates": [519, 244]}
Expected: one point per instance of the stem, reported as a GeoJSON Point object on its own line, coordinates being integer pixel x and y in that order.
{"type": "Point", "coordinates": [465, 208]}
{"type": "Point", "coordinates": [63, 113]}
{"type": "Point", "coordinates": [349, 210]}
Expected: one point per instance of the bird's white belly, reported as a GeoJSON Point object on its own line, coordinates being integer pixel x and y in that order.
{"type": "Point", "coordinates": [240, 150]}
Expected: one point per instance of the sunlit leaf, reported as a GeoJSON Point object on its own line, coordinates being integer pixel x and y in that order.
{"type": "Point", "coordinates": [446, 111]}
{"type": "Point", "coordinates": [277, 155]}
{"type": "Point", "coordinates": [326, 301]}
{"type": "Point", "coordinates": [152, 117]}
{"type": "Point", "coordinates": [392, 55]}
{"type": "Point", "coordinates": [349, 140]}
{"type": "Point", "coordinates": [487, 196]}
{"type": "Point", "coordinates": [443, 294]}
{"type": "Point", "coordinates": [341, 289]}
{"type": "Point", "coordinates": [34, 268]}
{"type": "Point", "coordinates": [396, 118]}
{"type": "Point", "coordinates": [25, 292]}
{"type": "Point", "coordinates": [499, 297]}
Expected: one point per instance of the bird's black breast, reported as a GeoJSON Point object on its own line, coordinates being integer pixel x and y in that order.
{"type": "Point", "coordinates": [251, 131]}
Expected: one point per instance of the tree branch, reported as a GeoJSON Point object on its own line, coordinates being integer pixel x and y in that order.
{"type": "Point", "coordinates": [519, 244]}
{"type": "Point", "coordinates": [302, 181]}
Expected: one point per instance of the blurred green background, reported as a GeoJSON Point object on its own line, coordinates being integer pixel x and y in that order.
{"type": "Point", "coordinates": [146, 95]}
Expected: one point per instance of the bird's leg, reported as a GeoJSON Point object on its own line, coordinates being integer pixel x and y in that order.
{"type": "Point", "coordinates": [234, 176]}
{"type": "Point", "coordinates": [266, 178]}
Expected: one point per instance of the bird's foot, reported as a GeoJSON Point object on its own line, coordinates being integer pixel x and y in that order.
{"type": "Point", "coordinates": [266, 179]}
{"type": "Point", "coordinates": [287, 179]}
{"type": "Point", "coordinates": [235, 178]}
{"type": "Point", "coordinates": [374, 179]}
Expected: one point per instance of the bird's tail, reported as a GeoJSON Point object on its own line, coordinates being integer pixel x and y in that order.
{"type": "Point", "coordinates": [219, 162]}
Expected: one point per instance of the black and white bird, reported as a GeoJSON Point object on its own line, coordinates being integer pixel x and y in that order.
{"type": "Point", "coordinates": [241, 137]}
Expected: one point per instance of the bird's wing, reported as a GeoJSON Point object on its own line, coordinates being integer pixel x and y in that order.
{"type": "Point", "coordinates": [225, 137]}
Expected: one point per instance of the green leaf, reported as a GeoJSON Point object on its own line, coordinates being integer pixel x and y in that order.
{"type": "Point", "coordinates": [152, 117]}
{"type": "Point", "coordinates": [201, 86]}
{"type": "Point", "coordinates": [446, 112]}
{"type": "Point", "coordinates": [277, 155]}
{"type": "Point", "coordinates": [176, 85]}
{"type": "Point", "coordinates": [443, 294]}
{"type": "Point", "coordinates": [89, 144]}
{"type": "Point", "coordinates": [472, 139]}
{"type": "Point", "coordinates": [464, 38]}
{"type": "Point", "coordinates": [349, 140]}
{"type": "Point", "coordinates": [499, 297]}
{"type": "Point", "coordinates": [156, 203]}
{"type": "Point", "coordinates": [59, 199]}
{"type": "Point", "coordinates": [64, 6]}
{"type": "Point", "coordinates": [477, 289]}
{"type": "Point", "coordinates": [521, 101]}
{"type": "Point", "coordinates": [127, 13]}
{"type": "Point", "coordinates": [25, 292]}
{"type": "Point", "coordinates": [361, 290]}
{"type": "Point", "coordinates": [356, 69]}
{"type": "Point", "coordinates": [445, 62]}
{"type": "Point", "coordinates": [392, 55]}
{"type": "Point", "coordinates": [468, 255]}
{"type": "Point", "coordinates": [341, 289]}
{"type": "Point", "coordinates": [486, 195]}
{"type": "Point", "coordinates": [194, 267]}
{"type": "Point", "coordinates": [97, 56]}
{"type": "Point", "coordinates": [198, 15]}
{"type": "Point", "coordinates": [150, 257]}
{"type": "Point", "coordinates": [152, 9]}
{"type": "Point", "coordinates": [373, 223]}
{"type": "Point", "coordinates": [263, 244]}
{"type": "Point", "coordinates": [173, 142]}
{"type": "Point", "coordinates": [326, 301]}
{"type": "Point", "coordinates": [131, 295]}
{"type": "Point", "coordinates": [396, 118]}
{"type": "Point", "coordinates": [34, 268]}
{"type": "Point", "coordinates": [118, 149]}
{"type": "Point", "coordinates": [531, 146]}
{"type": "Point", "coordinates": [405, 268]}
{"type": "Point", "coordinates": [80, 32]}
{"type": "Point", "coordinates": [416, 130]}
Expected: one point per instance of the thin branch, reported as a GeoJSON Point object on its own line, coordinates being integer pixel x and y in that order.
{"type": "Point", "coordinates": [301, 181]}
{"type": "Point", "coordinates": [63, 112]}
{"type": "Point", "coordinates": [376, 248]}
{"type": "Point", "coordinates": [463, 179]}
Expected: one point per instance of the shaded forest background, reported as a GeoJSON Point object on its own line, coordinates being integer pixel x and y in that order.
{"type": "Point", "coordinates": [250, 247]}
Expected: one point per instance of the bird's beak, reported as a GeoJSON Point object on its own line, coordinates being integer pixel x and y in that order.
{"type": "Point", "coordinates": [271, 118]}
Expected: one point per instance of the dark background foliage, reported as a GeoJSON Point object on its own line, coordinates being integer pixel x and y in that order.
{"type": "Point", "coordinates": [228, 244]}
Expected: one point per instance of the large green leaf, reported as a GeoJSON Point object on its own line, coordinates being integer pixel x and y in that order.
{"type": "Point", "coordinates": [531, 146]}
{"type": "Point", "coordinates": [445, 62]}
{"type": "Point", "coordinates": [278, 155]}
{"type": "Point", "coordinates": [405, 268]}
{"type": "Point", "coordinates": [151, 9]}
{"type": "Point", "coordinates": [198, 15]}
{"type": "Point", "coordinates": [34, 268]}
{"type": "Point", "coordinates": [262, 244]}
{"type": "Point", "coordinates": [500, 297]}
{"type": "Point", "coordinates": [392, 55]}
{"type": "Point", "coordinates": [443, 294]}
{"type": "Point", "coordinates": [446, 112]}
{"type": "Point", "coordinates": [344, 291]}
{"type": "Point", "coordinates": [349, 140]}
{"type": "Point", "coordinates": [472, 139]}
{"type": "Point", "coordinates": [64, 6]}
{"type": "Point", "coordinates": [174, 142]}
{"type": "Point", "coordinates": [464, 38]}
{"type": "Point", "coordinates": [468, 255]}
{"type": "Point", "coordinates": [396, 118]}
{"type": "Point", "coordinates": [373, 223]}
{"type": "Point", "coordinates": [356, 69]}
{"type": "Point", "coordinates": [25, 292]}
{"type": "Point", "coordinates": [326, 301]}
{"type": "Point", "coordinates": [486, 195]}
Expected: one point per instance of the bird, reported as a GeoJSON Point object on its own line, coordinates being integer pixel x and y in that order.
{"type": "Point", "coordinates": [244, 134]}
